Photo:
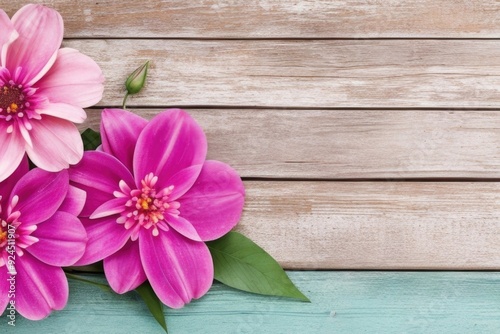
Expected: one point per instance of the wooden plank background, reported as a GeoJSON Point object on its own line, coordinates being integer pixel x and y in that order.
{"type": "Point", "coordinates": [367, 133]}
{"type": "Point", "coordinates": [452, 74]}
{"type": "Point", "coordinates": [302, 96]}
{"type": "Point", "coordinates": [310, 19]}
{"type": "Point", "coordinates": [349, 144]}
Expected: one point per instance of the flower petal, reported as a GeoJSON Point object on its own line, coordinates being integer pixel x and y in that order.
{"type": "Point", "coordinates": [56, 144]}
{"type": "Point", "coordinates": [94, 199]}
{"type": "Point", "coordinates": [99, 175]}
{"type": "Point", "coordinates": [123, 269]}
{"type": "Point", "coordinates": [171, 142]}
{"type": "Point", "coordinates": [111, 207]}
{"type": "Point", "coordinates": [61, 240]}
{"type": "Point", "coordinates": [101, 171]}
{"type": "Point", "coordinates": [105, 237]}
{"type": "Point", "coordinates": [40, 194]}
{"type": "Point", "coordinates": [120, 130]}
{"type": "Point", "coordinates": [215, 202]}
{"type": "Point", "coordinates": [178, 269]}
{"type": "Point", "coordinates": [183, 226]}
{"type": "Point", "coordinates": [64, 111]}
{"type": "Point", "coordinates": [7, 185]}
{"type": "Point", "coordinates": [8, 35]}
{"type": "Point", "coordinates": [74, 201]}
{"type": "Point", "coordinates": [183, 181]}
{"type": "Point", "coordinates": [40, 35]}
{"type": "Point", "coordinates": [74, 79]}
{"type": "Point", "coordinates": [4, 288]}
{"type": "Point", "coordinates": [40, 288]}
{"type": "Point", "coordinates": [11, 152]}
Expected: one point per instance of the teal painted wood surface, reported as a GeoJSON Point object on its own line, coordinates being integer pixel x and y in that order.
{"type": "Point", "coordinates": [342, 302]}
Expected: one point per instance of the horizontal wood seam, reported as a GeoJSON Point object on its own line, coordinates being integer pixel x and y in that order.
{"type": "Point", "coordinates": [286, 38]}
{"type": "Point", "coordinates": [250, 107]}
{"type": "Point", "coordinates": [388, 180]}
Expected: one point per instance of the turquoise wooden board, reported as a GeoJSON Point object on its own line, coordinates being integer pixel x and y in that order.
{"type": "Point", "coordinates": [342, 302]}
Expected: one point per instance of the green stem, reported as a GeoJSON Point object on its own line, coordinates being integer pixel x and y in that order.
{"type": "Point", "coordinates": [124, 104]}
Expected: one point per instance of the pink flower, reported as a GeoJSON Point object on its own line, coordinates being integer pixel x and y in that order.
{"type": "Point", "coordinates": [152, 200]}
{"type": "Point", "coordinates": [43, 89]}
{"type": "Point", "coordinates": [39, 233]}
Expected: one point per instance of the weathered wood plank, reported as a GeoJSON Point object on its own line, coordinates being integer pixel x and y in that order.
{"type": "Point", "coordinates": [276, 18]}
{"type": "Point", "coordinates": [376, 225]}
{"type": "Point", "coordinates": [336, 144]}
{"type": "Point", "coordinates": [342, 302]}
{"type": "Point", "coordinates": [342, 73]}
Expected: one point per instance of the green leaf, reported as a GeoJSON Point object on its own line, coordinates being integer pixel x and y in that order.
{"type": "Point", "coordinates": [102, 286]}
{"type": "Point", "coordinates": [242, 264]}
{"type": "Point", "coordinates": [31, 164]}
{"type": "Point", "coordinates": [91, 139]}
{"type": "Point", "coordinates": [96, 268]}
{"type": "Point", "coordinates": [153, 303]}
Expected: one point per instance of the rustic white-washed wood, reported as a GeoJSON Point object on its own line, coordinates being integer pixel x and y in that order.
{"type": "Point", "coordinates": [301, 73]}
{"type": "Point", "coordinates": [212, 53]}
{"type": "Point", "coordinates": [331, 144]}
{"type": "Point", "coordinates": [276, 18]}
{"type": "Point", "coordinates": [376, 225]}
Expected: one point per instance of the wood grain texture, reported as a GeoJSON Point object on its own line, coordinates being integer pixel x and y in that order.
{"type": "Point", "coordinates": [276, 18]}
{"type": "Point", "coordinates": [369, 89]}
{"type": "Point", "coordinates": [335, 144]}
{"type": "Point", "coordinates": [376, 225]}
{"type": "Point", "coordinates": [319, 74]}
{"type": "Point", "coordinates": [342, 302]}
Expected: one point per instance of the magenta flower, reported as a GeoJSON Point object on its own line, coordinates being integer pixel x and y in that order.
{"type": "Point", "coordinates": [39, 233]}
{"type": "Point", "coordinates": [152, 200]}
{"type": "Point", "coordinates": [43, 89]}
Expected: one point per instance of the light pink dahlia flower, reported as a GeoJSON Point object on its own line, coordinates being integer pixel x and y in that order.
{"type": "Point", "coordinates": [152, 200]}
{"type": "Point", "coordinates": [39, 233]}
{"type": "Point", "coordinates": [42, 91]}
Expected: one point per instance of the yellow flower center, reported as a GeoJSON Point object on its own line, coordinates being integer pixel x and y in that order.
{"type": "Point", "coordinates": [147, 207]}
{"type": "Point", "coordinates": [13, 108]}
{"type": "Point", "coordinates": [144, 202]}
{"type": "Point", "coordinates": [3, 236]}
{"type": "Point", "coordinates": [3, 233]}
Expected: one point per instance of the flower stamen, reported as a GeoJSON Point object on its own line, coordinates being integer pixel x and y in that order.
{"type": "Point", "coordinates": [14, 235]}
{"type": "Point", "coordinates": [3, 233]}
{"type": "Point", "coordinates": [17, 103]}
{"type": "Point", "coordinates": [11, 99]}
{"type": "Point", "coordinates": [146, 206]}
